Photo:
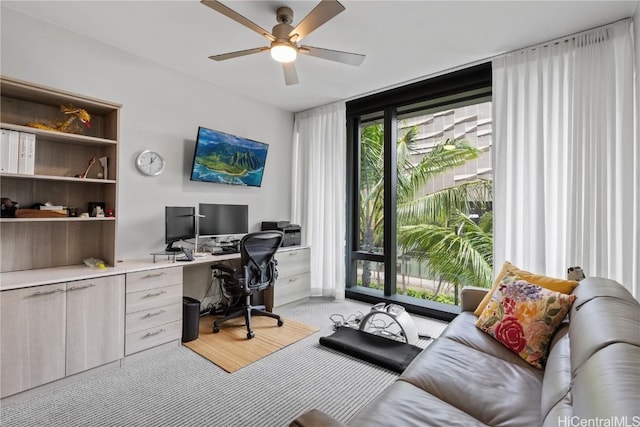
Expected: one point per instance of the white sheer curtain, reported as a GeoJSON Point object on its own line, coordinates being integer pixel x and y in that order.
{"type": "Point", "coordinates": [566, 184]}
{"type": "Point", "coordinates": [318, 200]}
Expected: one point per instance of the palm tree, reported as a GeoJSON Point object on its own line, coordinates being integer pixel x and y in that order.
{"type": "Point", "coordinates": [459, 252]}
{"type": "Point", "coordinates": [432, 227]}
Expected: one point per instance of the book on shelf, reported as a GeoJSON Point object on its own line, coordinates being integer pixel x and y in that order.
{"type": "Point", "coordinates": [9, 151]}
{"type": "Point", "coordinates": [26, 152]}
{"type": "Point", "coordinates": [17, 152]}
{"type": "Point", "coordinates": [31, 153]}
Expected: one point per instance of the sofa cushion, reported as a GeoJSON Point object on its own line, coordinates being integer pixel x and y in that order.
{"type": "Point", "coordinates": [403, 404]}
{"type": "Point", "coordinates": [551, 283]}
{"type": "Point", "coordinates": [605, 351]}
{"type": "Point", "coordinates": [599, 321]}
{"type": "Point", "coordinates": [523, 317]}
{"type": "Point", "coordinates": [560, 414]}
{"type": "Point", "coordinates": [597, 287]}
{"type": "Point", "coordinates": [607, 385]}
{"type": "Point", "coordinates": [556, 384]}
{"type": "Point", "coordinates": [462, 329]}
{"type": "Point", "coordinates": [490, 389]}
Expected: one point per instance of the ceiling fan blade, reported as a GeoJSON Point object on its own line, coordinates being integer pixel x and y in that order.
{"type": "Point", "coordinates": [323, 12]}
{"type": "Point", "coordinates": [333, 55]}
{"type": "Point", "coordinates": [238, 53]}
{"type": "Point", "coordinates": [230, 13]}
{"type": "Point", "coordinates": [290, 74]}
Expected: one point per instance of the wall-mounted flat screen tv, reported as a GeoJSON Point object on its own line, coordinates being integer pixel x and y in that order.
{"type": "Point", "coordinates": [228, 159]}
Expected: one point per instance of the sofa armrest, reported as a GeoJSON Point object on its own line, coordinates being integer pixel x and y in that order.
{"type": "Point", "coordinates": [316, 418]}
{"type": "Point", "coordinates": [470, 297]}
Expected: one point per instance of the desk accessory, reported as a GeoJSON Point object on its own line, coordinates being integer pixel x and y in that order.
{"type": "Point", "coordinates": [188, 255]}
{"type": "Point", "coordinates": [103, 162]}
{"type": "Point", "coordinates": [96, 208]}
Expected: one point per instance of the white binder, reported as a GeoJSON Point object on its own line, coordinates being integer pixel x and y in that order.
{"type": "Point", "coordinates": [9, 151]}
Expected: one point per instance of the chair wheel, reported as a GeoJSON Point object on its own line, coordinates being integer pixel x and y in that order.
{"type": "Point", "coordinates": [216, 329]}
{"type": "Point", "coordinates": [250, 335]}
{"type": "Point", "coordinates": [280, 322]}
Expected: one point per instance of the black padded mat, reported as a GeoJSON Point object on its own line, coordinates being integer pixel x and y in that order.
{"type": "Point", "coordinates": [384, 352]}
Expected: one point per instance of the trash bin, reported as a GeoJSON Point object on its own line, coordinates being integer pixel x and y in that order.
{"type": "Point", "coordinates": [190, 318]}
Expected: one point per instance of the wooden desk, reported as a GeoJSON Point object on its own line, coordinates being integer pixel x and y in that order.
{"type": "Point", "coordinates": [140, 308]}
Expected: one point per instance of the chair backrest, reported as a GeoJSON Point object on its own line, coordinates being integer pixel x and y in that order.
{"type": "Point", "coordinates": [257, 251]}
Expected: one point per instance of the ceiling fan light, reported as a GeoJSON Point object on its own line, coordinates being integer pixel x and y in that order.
{"type": "Point", "coordinates": [283, 53]}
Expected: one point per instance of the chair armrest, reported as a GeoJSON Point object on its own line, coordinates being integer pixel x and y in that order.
{"type": "Point", "coordinates": [470, 297]}
{"type": "Point", "coordinates": [316, 418]}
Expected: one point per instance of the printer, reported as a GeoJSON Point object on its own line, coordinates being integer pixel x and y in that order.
{"type": "Point", "coordinates": [292, 232]}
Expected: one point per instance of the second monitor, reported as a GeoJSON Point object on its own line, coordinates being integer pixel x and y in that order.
{"type": "Point", "coordinates": [222, 220]}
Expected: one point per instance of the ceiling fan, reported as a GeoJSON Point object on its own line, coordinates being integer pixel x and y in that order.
{"type": "Point", "coordinates": [284, 37]}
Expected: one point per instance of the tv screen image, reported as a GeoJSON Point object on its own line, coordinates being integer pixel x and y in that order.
{"type": "Point", "coordinates": [228, 159]}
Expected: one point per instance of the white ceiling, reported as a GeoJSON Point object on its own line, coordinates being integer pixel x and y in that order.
{"type": "Point", "coordinates": [403, 40]}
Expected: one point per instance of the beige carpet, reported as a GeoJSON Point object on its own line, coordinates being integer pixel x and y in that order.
{"type": "Point", "coordinates": [231, 350]}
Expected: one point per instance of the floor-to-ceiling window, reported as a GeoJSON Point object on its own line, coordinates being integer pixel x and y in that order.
{"type": "Point", "coordinates": [419, 192]}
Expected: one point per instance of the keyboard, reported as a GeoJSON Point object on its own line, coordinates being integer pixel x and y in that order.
{"type": "Point", "coordinates": [225, 250]}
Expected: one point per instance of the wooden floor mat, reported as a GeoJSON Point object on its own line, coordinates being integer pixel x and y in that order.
{"type": "Point", "coordinates": [231, 350]}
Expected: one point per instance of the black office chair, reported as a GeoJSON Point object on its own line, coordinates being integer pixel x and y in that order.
{"type": "Point", "coordinates": [257, 251]}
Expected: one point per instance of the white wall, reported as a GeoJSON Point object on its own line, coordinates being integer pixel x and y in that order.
{"type": "Point", "coordinates": [162, 110]}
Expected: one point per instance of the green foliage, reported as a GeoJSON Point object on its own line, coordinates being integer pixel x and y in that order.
{"type": "Point", "coordinates": [214, 163]}
{"type": "Point", "coordinates": [224, 158]}
{"type": "Point", "coordinates": [426, 295]}
{"type": "Point", "coordinates": [434, 227]}
{"type": "Point", "coordinates": [460, 252]}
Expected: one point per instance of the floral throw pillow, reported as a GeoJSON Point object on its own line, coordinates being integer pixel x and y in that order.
{"type": "Point", "coordinates": [523, 317]}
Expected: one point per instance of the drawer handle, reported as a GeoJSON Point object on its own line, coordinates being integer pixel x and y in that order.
{"type": "Point", "coordinates": [154, 314]}
{"type": "Point", "coordinates": [75, 288]}
{"type": "Point", "coordinates": [293, 279]}
{"type": "Point", "coordinates": [150, 334]}
{"type": "Point", "coordinates": [52, 291]}
{"type": "Point", "coordinates": [151, 276]}
{"type": "Point", "coordinates": [155, 295]}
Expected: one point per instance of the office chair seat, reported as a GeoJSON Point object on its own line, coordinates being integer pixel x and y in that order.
{"type": "Point", "coordinates": [259, 272]}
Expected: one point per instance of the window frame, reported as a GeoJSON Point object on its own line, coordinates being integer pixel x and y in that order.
{"type": "Point", "coordinates": [458, 86]}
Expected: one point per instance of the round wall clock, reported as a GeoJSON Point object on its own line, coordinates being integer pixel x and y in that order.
{"type": "Point", "coordinates": [150, 163]}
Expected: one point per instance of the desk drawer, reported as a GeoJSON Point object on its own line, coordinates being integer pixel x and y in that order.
{"type": "Point", "coordinates": [151, 337]}
{"type": "Point", "coordinates": [153, 298]}
{"type": "Point", "coordinates": [290, 289]}
{"type": "Point", "coordinates": [151, 279]}
{"type": "Point", "coordinates": [291, 263]}
{"type": "Point", "coordinates": [155, 316]}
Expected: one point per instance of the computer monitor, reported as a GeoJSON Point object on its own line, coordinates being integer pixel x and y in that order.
{"type": "Point", "coordinates": [180, 224]}
{"type": "Point", "coordinates": [222, 220]}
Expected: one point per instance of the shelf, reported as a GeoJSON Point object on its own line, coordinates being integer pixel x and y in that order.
{"type": "Point", "coordinates": [20, 89]}
{"type": "Point", "coordinates": [58, 178]}
{"type": "Point", "coordinates": [62, 137]}
{"type": "Point", "coordinates": [52, 242]}
{"type": "Point", "coordinates": [57, 219]}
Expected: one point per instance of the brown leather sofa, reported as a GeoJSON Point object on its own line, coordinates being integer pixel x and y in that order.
{"type": "Point", "coordinates": [466, 378]}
